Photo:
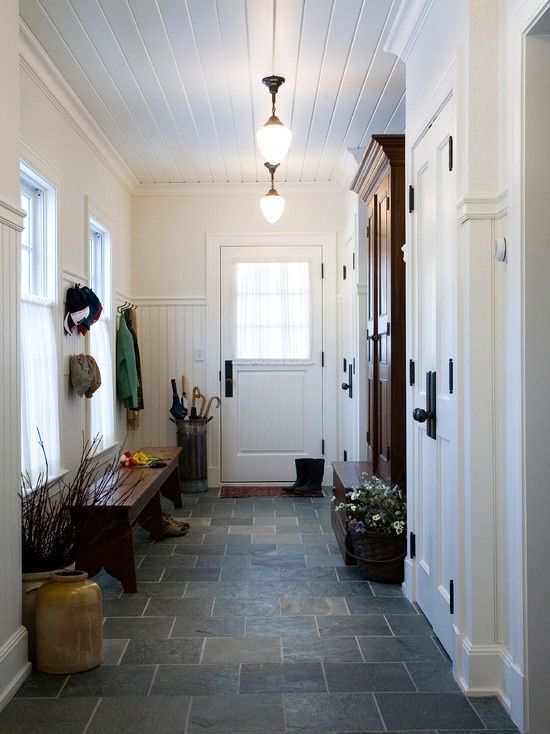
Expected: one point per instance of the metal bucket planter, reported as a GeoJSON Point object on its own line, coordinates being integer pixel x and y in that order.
{"type": "Point", "coordinates": [379, 556]}
{"type": "Point", "coordinates": [191, 436]}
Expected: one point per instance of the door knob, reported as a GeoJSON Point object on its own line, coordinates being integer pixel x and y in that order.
{"type": "Point", "coordinates": [420, 415]}
{"type": "Point", "coordinates": [345, 386]}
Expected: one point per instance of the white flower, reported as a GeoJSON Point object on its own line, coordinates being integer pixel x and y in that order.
{"type": "Point", "coordinates": [353, 507]}
{"type": "Point", "coordinates": [376, 518]}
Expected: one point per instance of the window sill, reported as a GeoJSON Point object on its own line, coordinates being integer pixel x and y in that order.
{"type": "Point", "coordinates": [52, 480]}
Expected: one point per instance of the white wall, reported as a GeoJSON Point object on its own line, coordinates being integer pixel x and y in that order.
{"type": "Point", "coordinates": [13, 636]}
{"type": "Point", "coordinates": [55, 145]}
{"type": "Point", "coordinates": [169, 228]}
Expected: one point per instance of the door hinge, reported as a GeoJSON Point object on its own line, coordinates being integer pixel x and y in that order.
{"type": "Point", "coordinates": [345, 365]}
{"type": "Point", "coordinates": [450, 152]}
{"type": "Point", "coordinates": [323, 446]}
{"type": "Point", "coordinates": [345, 455]}
{"type": "Point", "coordinates": [411, 372]}
{"type": "Point", "coordinates": [353, 260]}
{"type": "Point", "coordinates": [412, 545]}
{"type": "Point", "coordinates": [388, 329]}
{"type": "Point", "coordinates": [451, 597]}
{"type": "Point", "coordinates": [220, 376]}
{"type": "Point", "coordinates": [451, 377]}
{"type": "Point", "coordinates": [368, 438]}
{"type": "Point", "coordinates": [322, 359]}
{"type": "Point", "coordinates": [322, 270]}
{"type": "Point", "coordinates": [344, 272]}
{"type": "Point", "coordinates": [411, 199]}
{"type": "Point", "coordinates": [368, 231]}
{"type": "Point", "coordinates": [387, 203]}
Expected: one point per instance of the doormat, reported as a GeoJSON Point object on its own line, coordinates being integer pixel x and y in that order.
{"type": "Point", "coordinates": [229, 492]}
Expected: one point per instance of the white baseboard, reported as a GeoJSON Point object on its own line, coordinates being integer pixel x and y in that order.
{"type": "Point", "coordinates": [487, 670]}
{"type": "Point", "coordinates": [214, 476]}
{"type": "Point", "coordinates": [14, 664]}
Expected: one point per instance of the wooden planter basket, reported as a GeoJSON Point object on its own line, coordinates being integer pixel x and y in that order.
{"type": "Point", "coordinates": [379, 556]}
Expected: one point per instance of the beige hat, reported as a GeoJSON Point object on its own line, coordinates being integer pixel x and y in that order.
{"type": "Point", "coordinates": [82, 373]}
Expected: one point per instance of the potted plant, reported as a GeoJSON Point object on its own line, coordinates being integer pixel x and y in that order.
{"type": "Point", "coordinates": [48, 526]}
{"type": "Point", "coordinates": [376, 517]}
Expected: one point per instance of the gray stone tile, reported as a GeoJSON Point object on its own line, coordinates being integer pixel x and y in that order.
{"type": "Point", "coordinates": [281, 538]}
{"type": "Point", "coordinates": [161, 607]}
{"type": "Point", "coordinates": [148, 574]}
{"type": "Point", "coordinates": [226, 521]}
{"type": "Point", "coordinates": [276, 589]}
{"type": "Point", "coordinates": [295, 606]}
{"type": "Point", "coordinates": [196, 680]}
{"type": "Point", "coordinates": [361, 604]}
{"type": "Point", "coordinates": [282, 678]}
{"type": "Point", "coordinates": [311, 573]}
{"type": "Point", "coordinates": [492, 713]}
{"type": "Point", "coordinates": [156, 652]}
{"type": "Point", "coordinates": [41, 685]}
{"type": "Point", "coordinates": [409, 624]}
{"type": "Point", "coordinates": [191, 574]}
{"type": "Point", "coordinates": [218, 561]}
{"type": "Point", "coordinates": [112, 651]}
{"type": "Point", "coordinates": [206, 626]}
{"type": "Point", "coordinates": [326, 561]}
{"type": "Point", "coordinates": [196, 549]}
{"type": "Point", "coordinates": [378, 589]}
{"type": "Point", "coordinates": [279, 626]}
{"type": "Point", "coordinates": [243, 713]}
{"type": "Point", "coordinates": [329, 649]}
{"type": "Point", "coordinates": [399, 649]}
{"type": "Point", "coordinates": [333, 711]}
{"type": "Point", "coordinates": [46, 715]}
{"type": "Point", "coordinates": [257, 549]}
{"type": "Point", "coordinates": [340, 588]}
{"type": "Point", "coordinates": [433, 676]}
{"type": "Point", "coordinates": [249, 573]}
{"type": "Point", "coordinates": [246, 607]}
{"type": "Point", "coordinates": [427, 711]}
{"type": "Point", "coordinates": [137, 628]}
{"type": "Point", "coordinates": [210, 589]}
{"type": "Point", "coordinates": [129, 605]}
{"type": "Point", "coordinates": [117, 680]}
{"type": "Point", "coordinates": [219, 650]}
{"type": "Point", "coordinates": [152, 715]}
{"type": "Point", "coordinates": [154, 549]}
{"type": "Point", "coordinates": [172, 589]}
{"type": "Point", "coordinates": [353, 624]}
{"type": "Point", "coordinates": [348, 677]}
{"type": "Point", "coordinates": [172, 561]}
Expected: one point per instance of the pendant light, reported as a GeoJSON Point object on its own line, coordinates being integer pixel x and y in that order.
{"type": "Point", "coordinates": [274, 137]}
{"type": "Point", "coordinates": [272, 205]}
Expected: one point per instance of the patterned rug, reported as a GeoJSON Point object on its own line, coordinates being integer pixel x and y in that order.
{"type": "Point", "coordinates": [246, 491]}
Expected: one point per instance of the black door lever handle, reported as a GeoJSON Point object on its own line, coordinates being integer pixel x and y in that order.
{"type": "Point", "coordinates": [420, 415]}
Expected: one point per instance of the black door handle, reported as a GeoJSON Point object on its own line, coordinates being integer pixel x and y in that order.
{"type": "Point", "coordinates": [428, 416]}
{"type": "Point", "coordinates": [349, 384]}
{"type": "Point", "coordinates": [420, 415]}
{"type": "Point", "coordinates": [345, 386]}
{"type": "Point", "coordinates": [228, 378]}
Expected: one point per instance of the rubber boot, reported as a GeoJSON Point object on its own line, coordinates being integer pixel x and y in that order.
{"type": "Point", "coordinates": [315, 480]}
{"type": "Point", "coordinates": [302, 473]}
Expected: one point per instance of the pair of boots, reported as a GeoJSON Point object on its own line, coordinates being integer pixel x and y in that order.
{"type": "Point", "coordinates": [309, 476]}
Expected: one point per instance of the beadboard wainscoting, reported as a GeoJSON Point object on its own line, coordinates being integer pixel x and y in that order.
{"type": "Point", "coordinates": [13, 637]}
{"type": "Point", "coordinates": [171, 333]}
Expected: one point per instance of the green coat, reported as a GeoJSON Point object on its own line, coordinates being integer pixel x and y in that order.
{"type": "Point", "coordinates": [126, 370]}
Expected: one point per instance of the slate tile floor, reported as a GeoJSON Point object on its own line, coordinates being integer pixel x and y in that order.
{"type": "Point", "coordinates": [251, 623]}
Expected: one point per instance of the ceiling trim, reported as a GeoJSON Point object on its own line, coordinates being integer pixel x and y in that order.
{"type": "Point", "coordinates": [406, 26]}
{"type": "Point", "coordinates": [231, 189]}
{"type": "Point", "coordinates": [38, 65]}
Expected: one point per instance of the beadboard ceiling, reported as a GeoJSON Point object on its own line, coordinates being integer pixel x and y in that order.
{"type": "Point", "coordinates": [176, 84]}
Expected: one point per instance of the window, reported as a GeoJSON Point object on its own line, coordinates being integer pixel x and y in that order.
{"type": "Point", "coordinates": [39, 357]}
{"type": "Point", "coordinates": [273, 310]}
{"type": "Point", "coordinates": [102, 414]}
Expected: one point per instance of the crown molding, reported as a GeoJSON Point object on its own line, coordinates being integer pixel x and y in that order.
{"type": "Point", "coordinates": [231, 189]}
{"type": "Point", "coordinates": [407, 24]}
{"type": "Point", "coordinates": [38, 65]}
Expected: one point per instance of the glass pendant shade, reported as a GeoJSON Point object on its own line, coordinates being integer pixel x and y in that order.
{"type": "Point", "coordinates": [272, 206]}
{"type": "Point", "coordinates": [274, 140]}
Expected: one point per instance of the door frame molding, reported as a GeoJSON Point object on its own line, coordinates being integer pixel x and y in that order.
{"type": "Point", "coordinates": [214, 243]}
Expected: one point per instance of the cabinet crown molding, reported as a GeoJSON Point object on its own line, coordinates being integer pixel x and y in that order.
{"type": "Point", "coordinates": [381, 149]}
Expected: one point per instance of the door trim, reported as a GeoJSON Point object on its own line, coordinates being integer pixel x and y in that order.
{"type": "Point", "coordinates": [214, 243]}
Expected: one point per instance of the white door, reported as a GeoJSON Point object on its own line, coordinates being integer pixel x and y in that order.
{"type": "Point", "coordinates": [433, 483]}
{"type": "Point", "coordinates": [271, 361]}
{"type": "Point", "coordinates": [349, 428]}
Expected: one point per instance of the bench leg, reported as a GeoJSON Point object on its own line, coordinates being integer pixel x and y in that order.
{"type": "Point", "coordinates": [171, 489]}
{"type": "Point", "coordinates": [113, 550]}
{"type": "Point", "coordinates": [150, 518]}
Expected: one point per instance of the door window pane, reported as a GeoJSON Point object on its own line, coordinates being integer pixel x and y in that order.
{"type": "Point", "coordinates": [273, 310]}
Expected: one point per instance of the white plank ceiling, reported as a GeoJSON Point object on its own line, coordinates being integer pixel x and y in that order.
{"type": "Point", "coordinates": [176, 84]}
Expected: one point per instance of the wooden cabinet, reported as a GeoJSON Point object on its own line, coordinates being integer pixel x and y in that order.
{"type": "Point", "coordinates": [380, 182]}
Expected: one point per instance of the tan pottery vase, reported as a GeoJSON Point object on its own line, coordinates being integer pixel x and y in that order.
{"type": "Point", "coordinates": [68, 623]}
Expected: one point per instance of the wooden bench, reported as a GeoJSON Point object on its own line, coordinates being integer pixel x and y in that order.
{"type": "Point", "coordinates": [106, 539]}
{"type": "Point", "coordinates": [346, 476]}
